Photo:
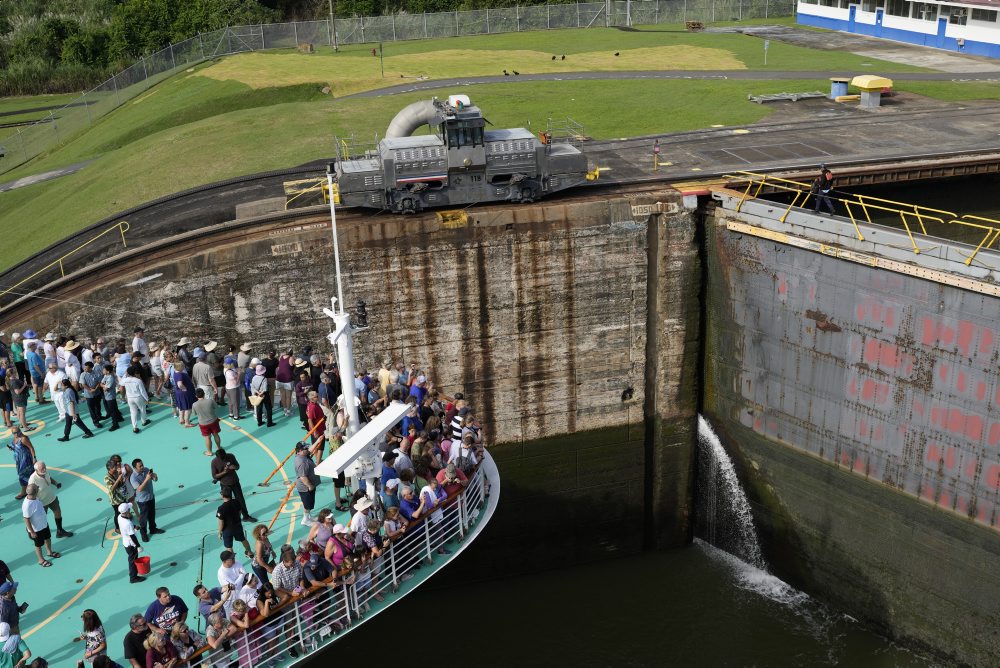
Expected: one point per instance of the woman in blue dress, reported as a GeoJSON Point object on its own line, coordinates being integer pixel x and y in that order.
{"type": "Point", "coordinates": [183, 392]}
{"type": "Point", "coordinates": [24, 458]}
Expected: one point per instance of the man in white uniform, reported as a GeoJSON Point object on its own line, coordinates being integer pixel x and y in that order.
{"type": "Point", "coordinates": [129, 541]}
{"type": "Point", "coordinates": [54, 380]}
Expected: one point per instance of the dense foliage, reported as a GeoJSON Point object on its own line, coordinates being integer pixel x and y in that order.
{"type": "Point", "coordinates": [49, 46]}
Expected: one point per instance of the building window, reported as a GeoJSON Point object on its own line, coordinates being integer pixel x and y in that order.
{"type": "Point", "coordinates": [956, 15]}
{"type": "Point", "coordinates": [925, 10]}
{"type": "Point", "coordinates": [897, 8]}
{"type": "Point", "coordinates": [989, 15]}
{"type": "Point", "coordinates": [829, 3]}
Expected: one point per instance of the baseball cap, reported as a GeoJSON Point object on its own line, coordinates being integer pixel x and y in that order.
{"type": "Point", "coordinates": [7, 586]}
{"type": "Point", "coordinates": [124, 507]}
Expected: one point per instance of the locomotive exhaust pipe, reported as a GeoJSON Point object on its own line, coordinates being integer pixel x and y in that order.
{"type": "Point", "coordinates": [411, 117]}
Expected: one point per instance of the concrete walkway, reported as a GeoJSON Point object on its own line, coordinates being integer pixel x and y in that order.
{"type": "Point", "coordinates": [874, 47]}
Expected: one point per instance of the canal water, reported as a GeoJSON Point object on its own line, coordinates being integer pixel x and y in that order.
{"type": "Point", "coordinates": [696, 606]}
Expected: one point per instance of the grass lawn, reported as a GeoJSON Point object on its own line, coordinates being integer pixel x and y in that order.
{"type": "Point", "coordinates": [261, 111]}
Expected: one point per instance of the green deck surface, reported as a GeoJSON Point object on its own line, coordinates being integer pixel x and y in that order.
{"type": "Point", "coordinates": [89, 575]}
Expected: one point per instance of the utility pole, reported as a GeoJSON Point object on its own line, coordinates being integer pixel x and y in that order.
{"type": "Point", "coordinates": [333, 25]}
{"type": "Point", "coordinates": [381, 62]}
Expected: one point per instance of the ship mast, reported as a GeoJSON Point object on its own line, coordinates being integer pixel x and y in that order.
{"type": "Point", "coordinates": [342, 335]}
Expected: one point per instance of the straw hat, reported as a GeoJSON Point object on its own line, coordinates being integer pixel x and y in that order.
{"type": "Point", "coordinates": [210, 346]}
{"type": "Point", "coordinates": [183, 342]}
{"type": "Point", "coordinates": [153, 348]}
{"type": "Point", "coordinates": [51, 336]}
{"type": "Point", "coordinates": [70, 345]}
{"type": "Point", "coordinates": [299, 362]}
{"type": "Point", "coordinates": [245, 347]}
{"type": "Point", "coordinates": [363, 504]}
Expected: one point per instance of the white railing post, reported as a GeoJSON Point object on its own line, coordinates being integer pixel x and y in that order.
{"type": "Point", "coordinates": [298, 624]}
{"type": "Point", "coordinates": [487, 20]}
{"type": "Point", "coordinates": [461, 516]}
{"type": "Point", "coordinates": [427, 538]}
{"type": "Point", "coordinates": [392, 564]}
{"type": "Point", "coordinates": [145, 74]}
{"type": "Point", "coordinates": [517, 17]}
{"type": "Point", "coordinates": [245, 639]}
{"type": "Point", "coordinates": [393, 27]}
{"type": "Point", "coordinates": [295, 31]}
{"type": "Point", "coordinates": [173, 62]}
{"type": "Point", "coordinates": [201, 43]}
{"type": "Point", "coordinates": [347, 601]}
{"type": "Point", "coordinates": [425, 25]}
{"type": "Point", "coordinates": [458, 31]}
{"type": "Point", "coordinates": [548, 13]}
{"type": "Point", "coordinates": [114, 82]}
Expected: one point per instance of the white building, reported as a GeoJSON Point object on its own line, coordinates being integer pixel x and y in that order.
{"type": "Point", "coordinates": [971, 26]}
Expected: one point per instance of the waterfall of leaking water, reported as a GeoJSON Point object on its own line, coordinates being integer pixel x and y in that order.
{"type": "Point", "coordinates": [724, 518]}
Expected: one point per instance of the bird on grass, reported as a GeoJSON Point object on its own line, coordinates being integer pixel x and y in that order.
{"type": "Point", "coordinates": [617, 53]}
{"type": "Point", "coordinates": [553, 57]}
{"type": "Point", "coordinates": [563, 58]}
{"type": "Point", "coordinates": [506, 73]}
{"type": "Point", "coordinates": [516, 73]}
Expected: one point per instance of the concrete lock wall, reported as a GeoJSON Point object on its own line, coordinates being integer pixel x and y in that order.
{"type": "Point", "coordinates": [540, 314]}
{"type": "Point", "coordinates": [860, 406]}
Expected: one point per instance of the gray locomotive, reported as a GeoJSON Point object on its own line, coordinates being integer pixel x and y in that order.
{"type": "Point", "coordinates": [460, 162]}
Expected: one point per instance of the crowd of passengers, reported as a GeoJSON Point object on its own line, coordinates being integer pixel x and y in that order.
{"type": "Point", "coordinates": [426, 460]}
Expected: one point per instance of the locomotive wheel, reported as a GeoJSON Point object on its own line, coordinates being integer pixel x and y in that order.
{"type": "Point", "coordinates": [526, 196]}
{"type": "Point", "coordinates": [407, 206]}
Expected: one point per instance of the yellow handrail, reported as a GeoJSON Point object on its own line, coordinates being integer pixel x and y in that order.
{"type": "Point", "coordinates": [866, 203]}
{"type": "Point", "coordinates": [121, 226]}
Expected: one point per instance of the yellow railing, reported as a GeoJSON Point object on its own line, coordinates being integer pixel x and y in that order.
{"type": "Point", "coordinates": [912, 216]}
{"type": "Point", "coordinates": [122, 228]}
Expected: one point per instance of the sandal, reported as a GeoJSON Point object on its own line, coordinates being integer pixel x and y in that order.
{"type": "Point", "coordinates": [44, 563]}
{"type": "Point", "coordinates": [53, 555]}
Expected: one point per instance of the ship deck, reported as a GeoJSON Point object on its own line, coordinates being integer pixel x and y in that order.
{"type": "Point", "coordinates": [92, 571]}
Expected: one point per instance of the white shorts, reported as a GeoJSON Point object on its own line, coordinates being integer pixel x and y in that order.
{"type": "Point", "coordinates": [285, 386]}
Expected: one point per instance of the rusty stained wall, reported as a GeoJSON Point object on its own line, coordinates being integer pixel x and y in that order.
{"type": "Point", "coordinates": [864, 407]}
{"type": "Point", "coordinates": [538, 313]}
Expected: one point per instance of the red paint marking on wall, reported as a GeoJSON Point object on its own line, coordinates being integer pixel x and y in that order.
{"type": "Point", "coordinates": [859, 466]}
{"type": "Point", "coordinates": [974, 427]}
{"type": "Point", "coordinates": [970, 467]}
{"type": "Point", "coordinates": [993, 476]}
{"type": "Point", "coordinates": [845, 460]}
{"type": "Point", "coordinates": [782, 286]}
{"type": "Point", "coordinates": [949, 459]}
{"type": "Point", "coordinates": [994, 437]}
{"type": "Point", "coordinates": [943, 370]}
{"type": "Point", "coordinates": [928, 331]}
{"type": "Point", "coordinates": [927, 492]}
{"type": "Point", "coordinates": [918, 408]}
{"type": "Point", "coordinates": [945, 499]}
{"type": "Point", "coordinates": [756, 425]}
{"type": "Point", "coordinates": [852, 389]}
{"type": "Point", "coordinates": [868, 390]}
{"type": "Point", "coordinates": [933, 455]}
{"type": "Point", "coordinates": [961, 382]}
{"type": "Point", "coordinates": [966, 330]}
{"type": "Point", "coordinates": [986, 341]}
{"type": "Point", "coordinates": [981, 391]}
{"type": "Point", "coordinates": [890, 317]}
{"type": "Point", "coordinates": [871, 354]}
{"type": "Point", "coordinates": [946, 334]}
{"type": "Point", "coordinates": [879, 435]}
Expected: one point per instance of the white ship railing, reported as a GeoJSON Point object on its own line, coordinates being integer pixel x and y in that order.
{"type": "Point", "coordinates": [314, 619]}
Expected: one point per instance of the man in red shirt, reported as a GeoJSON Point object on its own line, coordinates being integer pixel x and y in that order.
{"type": "Point", "coordinates": [452, 479]}
{"type": "Point", "coordinates": [315, 419]}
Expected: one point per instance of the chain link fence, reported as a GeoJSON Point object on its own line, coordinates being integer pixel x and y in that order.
{"type": "Point", "coordinates": [64, 123]}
